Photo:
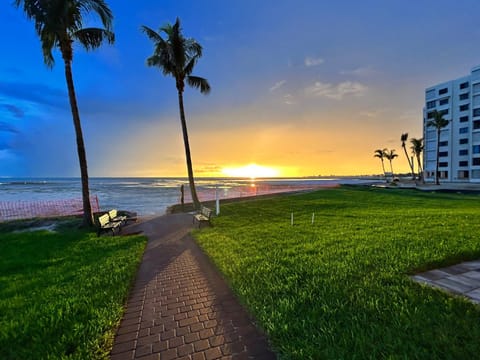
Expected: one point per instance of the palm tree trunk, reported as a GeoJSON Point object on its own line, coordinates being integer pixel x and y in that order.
{"type": "Point", "coordinates": [420, 169]}
{"type": "Point", "coordinates": [391, 169]}
{"type": "Point", "coordinates": [384, 173]}
{"type": "Point", "coordinates": [437, 182]}
{"type": "Point", "coordinates": [82, 157]}
{"type": "Point", "coordinates": [410, 163]}
{"type": "Point", "coordinates": [191, 180]}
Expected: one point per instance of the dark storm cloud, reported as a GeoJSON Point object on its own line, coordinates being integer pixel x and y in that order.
{"type": "Point", "coordinates": [34, 92]}
{"type": "Point", "coordinates": [6, 127]}
{"type": "Point", "coordinates": [14, 110]}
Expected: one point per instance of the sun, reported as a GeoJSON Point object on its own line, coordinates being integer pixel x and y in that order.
{"type": "Point", "coordinates": [251, 171]}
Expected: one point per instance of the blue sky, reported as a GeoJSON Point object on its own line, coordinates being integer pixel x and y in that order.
{"type": "Point", "coordinates": [305, 87]}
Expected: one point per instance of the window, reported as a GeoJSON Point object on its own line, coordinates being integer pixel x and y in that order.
{"type": "Point", "coordinates": [464, 85]}
{"type": "Point", "coordinates": [476, 161]}
{"type": "Point", "coordinates": [462, 152]}
{"type": "Point", "coordinates": [443, 112]}
{"type": "Point", "coordinates": [442, 91]}
{"type": "Point", "coordinates": [443, 153]}
{"type": "Point", "coordinates": [463, 118]}
{"type": "Point", "coordinates": [475, 173]}
{"type": "Point", "coordinates": [476, 112]}
{"type": "Point", "coordinates": [476, 149]}
{"type": "Point", "coordinates": [463, 163]}
{"type": "Point", "coordinates": [431, 104]}
{"type": "Point", "coordinates": [463, 130]}
{"type": "Point", "coordinates": [443, 143]}
{"type": "Point", "coordinates": [430, 115]}
{"type": "Point", "coordinates": [463, 174]}
{"type": "Point", "coordinates": [443, 102]}
{"type": "Point", "coordinates": [476, 88]}
{"type": "Point", "coordinates": [443, 174]}
{"type": "Point", "coordinates": [476, 125]}
{"type": "Point", "coordinates": [430, 94]}
{"type": "Point", "coordinates": [463, 141]}
{"type": "Point", "coordinates": [464, 107]}
{"type": "Point", "coordinates": [445, 164]}
{"type": "Point", "coordinates": [464, 96]}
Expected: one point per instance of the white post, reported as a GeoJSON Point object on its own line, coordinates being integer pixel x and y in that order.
{"type": "Point", "coordinates": [291, 219]}
{"type": "Point", "coordinates": [217, 200]}
{"type": "Point", "coordinates": [313, 218]}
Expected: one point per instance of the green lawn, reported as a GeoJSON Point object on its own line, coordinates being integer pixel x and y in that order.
{"type": "Point", "coordinates": [340, 288]}
{"type": "Point", "coordinates": [62, 293]}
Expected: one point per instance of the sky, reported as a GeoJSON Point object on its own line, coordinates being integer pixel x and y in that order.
{"type": "Point", "coordinates": [299, 88]}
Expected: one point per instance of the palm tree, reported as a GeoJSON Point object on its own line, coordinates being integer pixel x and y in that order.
{"type": "Point", "coordinates": [176, 56]}
{"type": "Point", "coordinates": [379, 153]}
{"type": "Point", "coordinates": [438, 122]}
{"type": "Point", "coordinates": [58, 24]}
{"type": "Point", "coordinates": [390, 155]}
{"type": "Point", "coordinates": [404, 138]}
{"type": "Point", "coordinates": [417, 149]}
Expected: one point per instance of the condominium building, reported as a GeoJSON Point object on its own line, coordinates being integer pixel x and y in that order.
{"type": "Point", "coordinates": [459, 146]}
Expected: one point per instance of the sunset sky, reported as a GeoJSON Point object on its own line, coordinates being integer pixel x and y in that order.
{"type": "Point", "coordinates": [299, 87]}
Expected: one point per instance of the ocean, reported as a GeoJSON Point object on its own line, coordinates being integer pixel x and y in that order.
{"type": "Point", "coordinates": [152, 196]}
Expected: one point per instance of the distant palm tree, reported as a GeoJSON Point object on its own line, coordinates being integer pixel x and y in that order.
{"type": "Point", "coordinates": [438, 123]}
{"type": "Point", "coordinates": [380, 153]}
{"type": "Point", "coordinates": [417, 149]}
{"type": "Point", "coordinates": [58, 24]}
{"type": "Point", "coordinates": [177, 56]}
{"type": "Point", "coordinates": [390, 155]}
{"type": "Point", "coordinates": [403, 139]}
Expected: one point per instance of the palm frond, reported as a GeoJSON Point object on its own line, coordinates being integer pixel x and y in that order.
{"type": "Point", "coordinates": [176, 56]}
{"type": "Point", "coordinates": [189, 67]}
{"type": "Point", "coordinates": [199, 83]}
{"type": "Point", "coordinates": [167, 67]}
{"type": "Point", "coordinates": [48, 43]}
{"type": "Point", "coordinates": [99, 7]}
{"type": "Point", "coordinates": [92, 38]}
{"type": "Point", "coordinates": [58, 22]}
{"type": "Point", "coordinates": [151, 34]}
{"type": "Point", "coordinates": [193, 48]}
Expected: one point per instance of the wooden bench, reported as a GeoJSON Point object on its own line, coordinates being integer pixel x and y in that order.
{"type": "Point", "coordinates": [114, 217]}
{"type": "Point", "coordinates": [203, 215]}
{"type": "Point", "coordinates": [105, 224]}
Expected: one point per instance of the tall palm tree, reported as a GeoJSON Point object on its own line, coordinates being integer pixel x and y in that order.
{"type": "Point", "coordinates": [417, 149]}
{"type": "Point", "coordinates": [390, 155]}
{"type": "Point", "coordinates": [58, 24]}
{"type": "Point", "coordinates": [403, 139]}
{"type": "Point", "coordinates": [438, 122]}
{"type": "Point", "coordinates": [176, 56]}
{"type": "Point", "coordinates": [380, 153]}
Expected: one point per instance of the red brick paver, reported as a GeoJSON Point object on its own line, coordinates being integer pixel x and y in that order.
{"type": "Point", "coordinates": [180, 308]}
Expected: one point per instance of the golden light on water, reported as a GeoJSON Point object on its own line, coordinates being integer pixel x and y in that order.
{"type": "Point", "coordinates": [251, 171]}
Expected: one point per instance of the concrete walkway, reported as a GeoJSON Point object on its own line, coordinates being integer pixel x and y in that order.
{"type": "Point", "coordinates": [461, 279]}
{"type": "Point", "coordinates": [180, 308]}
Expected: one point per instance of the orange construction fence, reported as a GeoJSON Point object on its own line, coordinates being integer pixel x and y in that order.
{"type": "Point", "coordinates": [14, 210]}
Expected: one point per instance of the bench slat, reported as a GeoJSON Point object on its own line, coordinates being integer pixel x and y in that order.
{"type": "Point", "coordinates": [203, 215]}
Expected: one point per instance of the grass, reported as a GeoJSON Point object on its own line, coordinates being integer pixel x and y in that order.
{"type": "Point", "coordinates": [62, 292]}
{"type": "Point", "coordinates": [340, 287]}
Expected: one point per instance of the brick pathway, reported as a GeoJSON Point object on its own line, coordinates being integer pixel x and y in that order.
{"type": "Point", "coordinates": [180, 308]}
{"type": "Point", "coordinates": [461, 279]}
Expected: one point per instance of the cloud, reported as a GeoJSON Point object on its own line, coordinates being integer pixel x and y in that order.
{"type": "Point", "coordinates": [289, 99]}
{"type": "Point", "coordinates": [360, 71]}
{"type": "Point", "coordinates": [336, 92]}
{"type": "Point", "coordinates": [34, 92]}
{"type": "Point", "coordinates": [14, 110]}
{"type": "Point", "coordinates": [310, 61]}
{"type": "Point", "coordinates": [277, 85]}
{"type": "Point", "coordinates": [5, 127]}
